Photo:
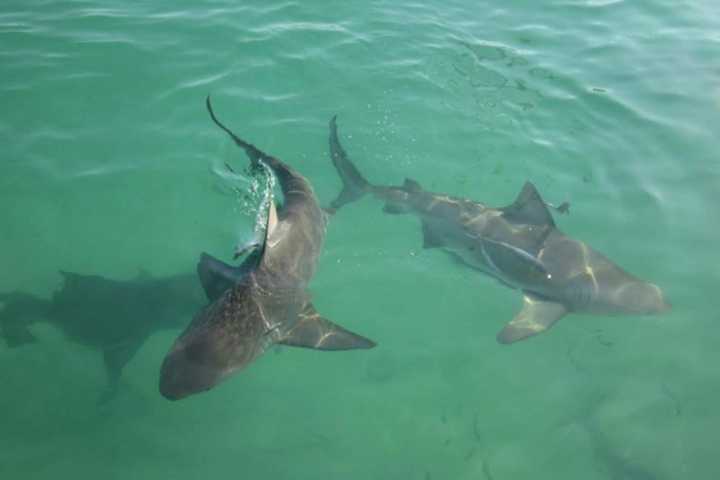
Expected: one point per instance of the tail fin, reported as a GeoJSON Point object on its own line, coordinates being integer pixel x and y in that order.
{"type": "Point", "coordinates": [251, 150]}
{"type": "Point", "coordinates": [354, 184]}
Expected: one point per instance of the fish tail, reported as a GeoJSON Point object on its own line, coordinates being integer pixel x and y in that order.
{"type": "Point", "coordinates": [355, 186]}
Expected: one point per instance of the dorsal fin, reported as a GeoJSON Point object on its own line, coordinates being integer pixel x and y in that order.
{"type": "Point", "coordinates": [411, 185]}
{"type": "Point", "coordinates": [217, 276]}
{"type": "Point", "coordinates": [272, 219]}
{"type": "Point", "coordinates": [529, 208]}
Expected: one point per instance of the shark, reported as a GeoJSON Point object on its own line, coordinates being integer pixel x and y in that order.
{"type": "Point", "coordinates": [518, 244]}
{"type": "Point", "coordinates": [113, 316]}
{"type": "Point", "coordinates": [263, 301]}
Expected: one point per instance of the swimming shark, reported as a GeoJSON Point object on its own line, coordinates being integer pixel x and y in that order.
{"type": "Point", "coordinates": [262, 302]}
{"type": "Point", "coordinates": [518, 244]}
{"type": "Point", "coordinates": [113, 316]}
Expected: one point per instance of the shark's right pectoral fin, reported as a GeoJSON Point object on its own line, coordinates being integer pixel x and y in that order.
{"type": "Point", "coordinates": [314, 331]}
{"type": "Point", "coordinates": [536, 316]}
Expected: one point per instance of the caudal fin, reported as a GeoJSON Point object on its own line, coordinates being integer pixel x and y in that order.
{"type": "Point", "coordinates": [354, 184]}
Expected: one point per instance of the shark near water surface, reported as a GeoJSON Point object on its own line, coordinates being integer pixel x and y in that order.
{"type": "Point", "coordinates": [262, 302]}
{"type": "Point", "coordinates": [519, 245]}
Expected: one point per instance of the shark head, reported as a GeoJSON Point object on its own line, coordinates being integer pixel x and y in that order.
{"type": "Point", "coordinates": [224, 337]}
{"type": "Point", "coordinates": [614, 292]}
{"type": "Point", "coordinates": [639, 298]}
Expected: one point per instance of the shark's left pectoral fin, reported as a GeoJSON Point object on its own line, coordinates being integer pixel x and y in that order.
{"type": "Point", "coordinates": [314, 331]}
{"type": "Point", "coordinates": [217, 276]}
{"type": "Point", "coordinates": [536, 316]}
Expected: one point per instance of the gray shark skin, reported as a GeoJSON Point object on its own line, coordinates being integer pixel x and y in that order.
{"type": "Point", "coordinates": [518, 244]}
{"type": "Point", "coordinates": [262, 302]}
{"type": "Point", "coordinates": [113, 316]}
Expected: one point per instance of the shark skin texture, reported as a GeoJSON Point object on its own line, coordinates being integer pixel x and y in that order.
{"type": "Point", "coordinates": [262, 302]}
{"type": "Point", "coordinates": [518, 244]}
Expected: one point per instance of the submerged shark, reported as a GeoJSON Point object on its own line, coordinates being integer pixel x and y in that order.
{"type": "Point", "coordinates": [114, 316]}
{"type": "Point", "coordinates": [262, 302]}
{"type": "Point", "coordinates": [519, 245]}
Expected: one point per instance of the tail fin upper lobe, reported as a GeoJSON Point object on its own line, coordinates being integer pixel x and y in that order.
{"type": "Point", "coordinates": [354, 184]}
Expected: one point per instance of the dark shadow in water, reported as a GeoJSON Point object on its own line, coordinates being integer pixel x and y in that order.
{"type": "Point", "coordinates": [113, 316]}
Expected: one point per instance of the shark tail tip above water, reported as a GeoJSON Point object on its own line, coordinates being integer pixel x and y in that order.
{"type": "Point", "coordinates": [355, 186]}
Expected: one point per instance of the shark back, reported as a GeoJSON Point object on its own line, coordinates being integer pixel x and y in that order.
{"type": "Point", "coordinates": [295, 232]}
{"type": "Point", "coordinates": [262, 302]}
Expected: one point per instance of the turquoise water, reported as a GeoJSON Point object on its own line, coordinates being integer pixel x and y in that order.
{"type": "Point", "coordinates": [108, 169]}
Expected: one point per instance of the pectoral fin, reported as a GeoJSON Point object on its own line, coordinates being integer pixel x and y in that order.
{"type": "Point", "coordinates": [217, 276]}
{"type": "Point", "coordinates": [536, 316]}
{"type": "Point", "coordinates": [116, 357]}
{"type": "Point", "coordinates": [314, 331]}
{"type": "Point", "coordinates": [430, 238]}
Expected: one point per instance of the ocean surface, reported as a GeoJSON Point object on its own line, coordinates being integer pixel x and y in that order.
{"type": "Point", "coordinates": [111, 167]}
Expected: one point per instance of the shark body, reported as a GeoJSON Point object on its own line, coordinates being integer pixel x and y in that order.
{"type": "Point", "coordinates": [519, 245]}
{"type": "Point", "coordinates": [262, 302]}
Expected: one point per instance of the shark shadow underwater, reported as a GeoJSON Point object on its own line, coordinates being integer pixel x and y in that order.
{"type": "Point", "coordinates": [114, 316]}
{"type": "Point", "coordinates": [262, 302]}
{"type": "Point", "coordinates": [519, 245]}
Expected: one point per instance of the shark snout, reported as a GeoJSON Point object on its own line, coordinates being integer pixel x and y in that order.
{"type": "Point", "coordinates": [180, 376]}
{"type": "Point", "coordinates": [643, 298]}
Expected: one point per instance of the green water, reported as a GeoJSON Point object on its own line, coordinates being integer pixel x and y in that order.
{"type": "Point", "coordinates": [107, 168]}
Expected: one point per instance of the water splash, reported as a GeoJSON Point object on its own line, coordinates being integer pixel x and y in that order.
{"type": "Point", "coordinates": [252, 191]}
